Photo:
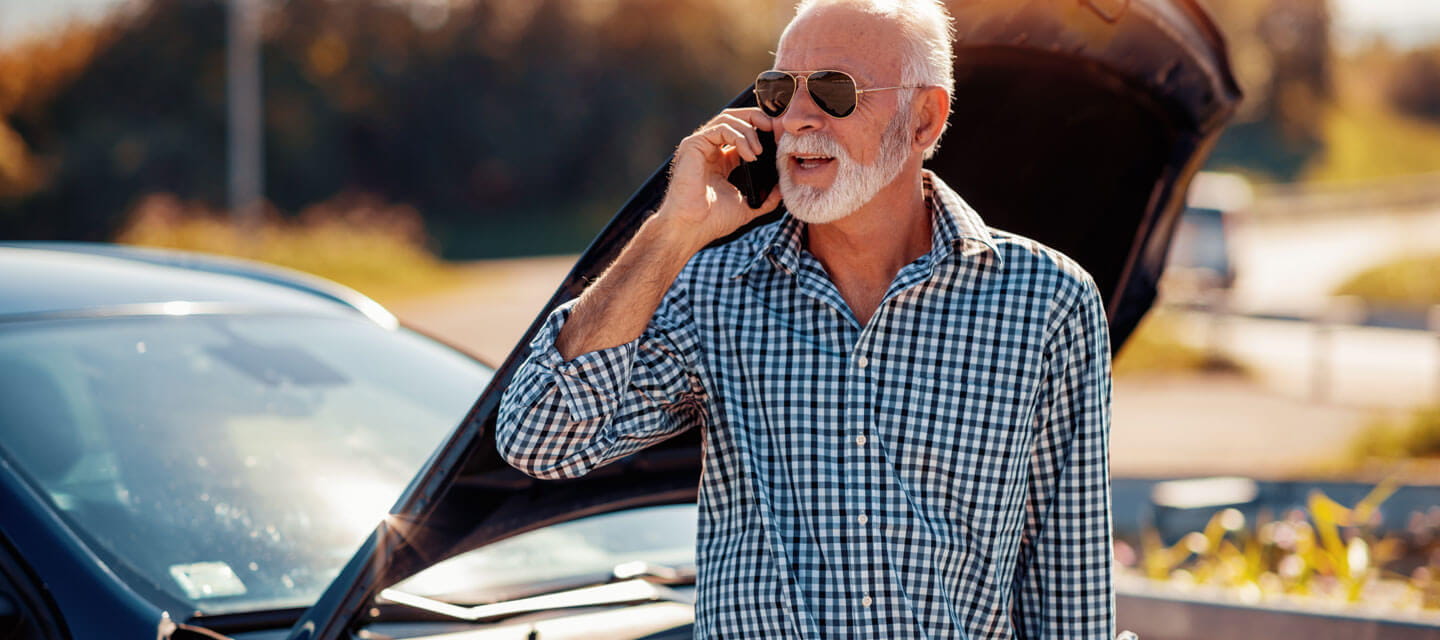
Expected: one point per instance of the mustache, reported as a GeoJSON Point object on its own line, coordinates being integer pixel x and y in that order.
{"type": "Point", "coordinates": [812, 143]}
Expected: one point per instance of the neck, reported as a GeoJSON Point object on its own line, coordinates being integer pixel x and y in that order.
{"type": "Point", "coordinates": [879, 238]}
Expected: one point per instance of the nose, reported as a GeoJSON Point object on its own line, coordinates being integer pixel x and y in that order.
{"type": "Point", "coordinates": [802, 114]}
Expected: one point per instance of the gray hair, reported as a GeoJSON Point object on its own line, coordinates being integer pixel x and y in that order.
{"type": "Point", "coordinates": [929, 33]}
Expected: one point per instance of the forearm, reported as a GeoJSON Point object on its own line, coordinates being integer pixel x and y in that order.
{"type": "Point", "coordinates": [700, 206]}
{"type": "Point", "coordinates": [617, 307]}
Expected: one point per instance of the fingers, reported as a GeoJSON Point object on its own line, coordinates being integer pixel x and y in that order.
{"type": "Point", "coordinates": [712, 142]}
{"type": "Point", "coordinates": [744, 123]}
{"type": "Point", "coordinates": [751, 116]}
{"type": "Point", "coordinates": [745, 127]}
{"type": "Point", "coordinates": [722, 134]}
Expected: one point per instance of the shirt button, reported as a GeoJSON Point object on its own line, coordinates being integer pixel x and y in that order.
{"type": "Point", "coordinates": [862, 362]}
{"type": "Point", "coordinates": [860, 440]}
{"type": "Point", "coordinates": [866, 601]}
{"type": "Point", "coordinates": [862, 519]}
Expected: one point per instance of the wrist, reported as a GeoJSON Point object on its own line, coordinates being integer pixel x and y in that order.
{"type": "Point", "coordinates": [674, 232]}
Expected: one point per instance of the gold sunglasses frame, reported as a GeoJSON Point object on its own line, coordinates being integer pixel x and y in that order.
{"type": "Point", "coordinates": [801, 80]}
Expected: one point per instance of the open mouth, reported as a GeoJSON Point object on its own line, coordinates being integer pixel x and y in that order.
{"type": "Point", "coordinates": [810, 161]}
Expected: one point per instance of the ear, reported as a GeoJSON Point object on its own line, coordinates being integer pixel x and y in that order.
{"type": "Point", "coordinates": [929, 110]}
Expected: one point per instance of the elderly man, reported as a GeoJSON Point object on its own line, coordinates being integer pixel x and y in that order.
{"type": "Point", "coordinates": [905, 413]}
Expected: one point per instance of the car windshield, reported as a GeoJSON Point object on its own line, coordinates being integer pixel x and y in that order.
{"type": "Point", "coordinates": [232, 462]}
{"type": "Point", "coordinates": [565, 555]}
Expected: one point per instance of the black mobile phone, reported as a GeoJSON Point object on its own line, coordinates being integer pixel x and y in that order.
{"type": "Point", "coordinates": [756, 179]}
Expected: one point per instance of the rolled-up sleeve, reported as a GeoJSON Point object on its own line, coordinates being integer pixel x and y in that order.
{"type": "Point", "coordinates": [1063, 581]}
{"type": "Point", "coordinates": [560, 419]}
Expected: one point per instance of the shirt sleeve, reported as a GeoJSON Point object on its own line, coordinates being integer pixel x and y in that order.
{"type": "Point", "coordinates": [560, 419]}
{"type": "Point", "coordinates": [1063, 585]}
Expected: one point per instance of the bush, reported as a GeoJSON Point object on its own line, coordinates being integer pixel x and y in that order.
{"type": "Point", "coordinates": [1156, 347]}
{"type": "Point", "coordinates": [1417, 436]}
{"type": "Point", "coordinates": [1412, 281]}
{"type": "Point", "coordinates": [357, 240]}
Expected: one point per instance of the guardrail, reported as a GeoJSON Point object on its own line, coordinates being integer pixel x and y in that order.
{"type": "Point", "coordinates": [1326, 327]}
{"type": "Point", "coordinates": [1406, 193]}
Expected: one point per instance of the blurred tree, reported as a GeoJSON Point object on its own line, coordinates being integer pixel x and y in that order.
{"type": "Point", "coordinates": [1297, 33]}
{"type": "Point", "coordinates": [31, 72]}
{"type": "Point", "coordinates": [513, 127]}
{"type": "Point", "coordinates": [1414, 86]}
{"type": "Point", "coordinates": [1283, 55]}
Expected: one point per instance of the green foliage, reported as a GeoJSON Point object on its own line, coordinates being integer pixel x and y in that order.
{"type": "Point", "coordinates": [1328, 551]}
{"type": "Point", "coordinates": [1411, 281]}
{"type": "Point", "coordinates": [1282, 56]}
{"type": "Point", "coordinates": [1416, 436]}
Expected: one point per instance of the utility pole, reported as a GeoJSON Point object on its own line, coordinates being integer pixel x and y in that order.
{"type": "Point", "coordinates": [243, 99]}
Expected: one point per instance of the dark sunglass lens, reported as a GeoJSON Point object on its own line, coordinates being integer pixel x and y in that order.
{"type": "Point", "coordinates": [773, 91]}
{"type": "Point", "coordinates": [833, 92]}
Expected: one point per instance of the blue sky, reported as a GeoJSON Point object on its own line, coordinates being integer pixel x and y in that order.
{"type": "Point", "coordinates": [1406, 22]}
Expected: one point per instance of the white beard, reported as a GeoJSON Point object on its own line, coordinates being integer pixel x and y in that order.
{"type": "Point", "coordinates": [855, 184]}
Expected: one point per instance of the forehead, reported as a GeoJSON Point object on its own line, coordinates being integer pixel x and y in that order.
{"type": "Point", "coordinates": [844, 39]}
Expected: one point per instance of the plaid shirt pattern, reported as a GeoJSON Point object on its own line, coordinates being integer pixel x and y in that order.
{"type": "Point", "coordinates": [941, 472]}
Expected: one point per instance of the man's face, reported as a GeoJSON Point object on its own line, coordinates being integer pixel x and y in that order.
{"type": "Point", "coordinates": [829, 167]}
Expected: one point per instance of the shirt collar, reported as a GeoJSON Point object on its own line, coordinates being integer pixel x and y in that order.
{"type": "Point", "coordinates": [955, 225]}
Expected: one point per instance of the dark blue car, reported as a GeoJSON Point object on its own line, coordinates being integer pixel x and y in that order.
{"type": "Point", "coordinates": [190, 435]}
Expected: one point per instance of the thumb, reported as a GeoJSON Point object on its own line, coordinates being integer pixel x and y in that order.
{"type": "Point", "coordinates": [771, 201]}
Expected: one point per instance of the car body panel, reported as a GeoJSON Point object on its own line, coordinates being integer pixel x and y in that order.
{"type": "Point", "coordinates": [54, 279]}
{"type": "Point", "coordinates": [88, 596]}
{"type": "Point", "coordinates": [1156, 79]}
{"type": "Point", "coordinates": [247, 269]}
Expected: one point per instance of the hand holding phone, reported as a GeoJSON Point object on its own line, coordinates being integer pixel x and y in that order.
{"type": "Point", "coordinates": [756, 179]}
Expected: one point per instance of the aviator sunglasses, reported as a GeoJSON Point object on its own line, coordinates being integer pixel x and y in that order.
{"type": "Point", "coordinates": [833, 91]}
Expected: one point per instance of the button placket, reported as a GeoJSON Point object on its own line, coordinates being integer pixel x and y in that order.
{"type": "Point", "coordinates": [858, 399]}
{"type": "Point", "coordinates": [861, 393]}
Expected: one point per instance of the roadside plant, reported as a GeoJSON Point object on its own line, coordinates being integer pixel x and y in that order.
{"type": "Point", "coordinates": [1326, 551]}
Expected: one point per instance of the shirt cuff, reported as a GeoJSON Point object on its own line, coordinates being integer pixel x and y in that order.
{"type": "Point", "coordinates": [591, 384]}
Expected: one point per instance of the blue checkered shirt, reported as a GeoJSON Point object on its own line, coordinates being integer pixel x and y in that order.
{"type": "Point", "coordinates": [940, 472]}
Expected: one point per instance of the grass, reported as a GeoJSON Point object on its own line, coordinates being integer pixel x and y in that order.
{"type": "Point", "coordinates": [1156, 347]}
{"type": "Point", "coordinates": [358, 241]}
{"type": "Point", "coordinates": [1410, 281]}
{"type": "Point", "coordinates": [1366, 140]}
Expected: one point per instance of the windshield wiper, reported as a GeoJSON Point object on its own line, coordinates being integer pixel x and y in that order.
{"type": "Point", "coordinates": [656, 573]}
{"type": "Point", "coordinates": [639, 582]}
{"type": "Point", "coordinates": [638, 590]}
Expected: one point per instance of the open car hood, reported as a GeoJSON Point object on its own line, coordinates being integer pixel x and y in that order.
{"type": "Point", "coordinates": [1077, 122]}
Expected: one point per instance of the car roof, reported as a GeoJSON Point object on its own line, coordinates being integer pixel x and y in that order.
{"type": "Point", "coordinates": [82, 279]}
